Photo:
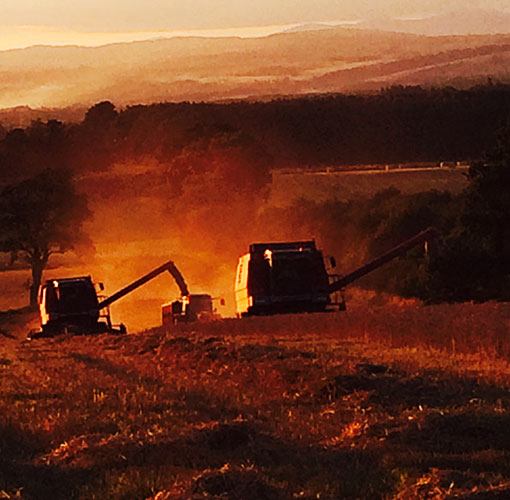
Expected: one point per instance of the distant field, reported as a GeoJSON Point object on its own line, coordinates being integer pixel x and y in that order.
{"type": "Point", "coordinates": [392, 403]}
{"type": "Point", "coordinates": [289, 186]}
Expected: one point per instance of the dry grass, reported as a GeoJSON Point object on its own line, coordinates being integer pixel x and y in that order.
{"type": "Point", "coordinates": [392, 403]}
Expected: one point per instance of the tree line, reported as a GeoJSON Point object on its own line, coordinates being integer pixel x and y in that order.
{"type": "Point", "coordinates": [395, 125]}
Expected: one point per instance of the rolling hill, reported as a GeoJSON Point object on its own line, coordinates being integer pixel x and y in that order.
{"type": "Point", "coordinates": [337, 59]}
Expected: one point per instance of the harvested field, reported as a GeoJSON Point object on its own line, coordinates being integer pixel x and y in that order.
{"type": "Point", "coordinates": [345, 185]}
{"type": "Point", "coordinates": [389, 403]}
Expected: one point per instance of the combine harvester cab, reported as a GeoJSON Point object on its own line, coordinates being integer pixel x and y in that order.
{"type": "Point", "coordinates": [71, 305]}
{"type": "Point", "coordinates": [276, 278]}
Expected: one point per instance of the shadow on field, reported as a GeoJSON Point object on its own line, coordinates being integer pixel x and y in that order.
{"type": "Point", "coordinates": [349, 473]}
{"type": "Point", "coordinates": [108, 368]}
{"type": "Point", "coordinates": [218, 349]}
{"type": "Point", "coordinates": [460, 425]}
{"type": "Point", "coordinates": [461, 433]}
{"type": "Point", "coordinates": [503, 494]}
{"type": "Point", "coordinates": [16, 443]}
{"type": "Point", "coordinates": [470, 447]}
{"type": "Point", "coordinates": [17, 450]}
{"type": "Point", "coordinates": [390, 388]}
{"type": "Point", "coordinates": [233, 482]}
{"type": "Point", "coordinates": [14, 322]}
{"type": "Point", "coordinates": [196, 402]}
{"type": "Point", "coordinates": [288, 465]}
{"type": "Point", "coordinates": [41, 482]}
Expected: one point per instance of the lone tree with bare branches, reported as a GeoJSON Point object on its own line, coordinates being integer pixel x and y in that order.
{"type": "Point", "coordinates": [41, 216]}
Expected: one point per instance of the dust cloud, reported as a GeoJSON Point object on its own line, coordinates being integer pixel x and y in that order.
{"type": "Point", "coordinates": [203, 230]}
{"type": "Point", "coordinates": [204, 226]}
{"type": "Point", "coordinates": [140, 221]}
{"type": "Point", "coordinates": [204, 240]}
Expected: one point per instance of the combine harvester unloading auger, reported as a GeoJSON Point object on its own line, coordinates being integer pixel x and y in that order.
{"type": "Point", "coordinates": [72, 305]}
{"type": "Point", "coordinates": [291, 277]}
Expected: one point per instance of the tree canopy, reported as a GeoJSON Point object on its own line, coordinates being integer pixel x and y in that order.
{"type": "Point", "coordinates": [476, 256]}
{"type": "Point", "coordinates": [41, 216]}
{"type": "Point", "coordinates": [395, 125]}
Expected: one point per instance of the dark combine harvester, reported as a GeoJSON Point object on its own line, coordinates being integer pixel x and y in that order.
{"type": "Point", "coordinates": [73, 305]}
{"type": "Point", "coordinates": [275, 278]}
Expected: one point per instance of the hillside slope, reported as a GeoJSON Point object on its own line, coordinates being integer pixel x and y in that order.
{"type": "Point", "coordinates": [176, 69]}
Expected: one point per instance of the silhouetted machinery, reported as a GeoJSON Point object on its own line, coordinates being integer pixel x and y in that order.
{"type": "Point", "coordinates": [73, 305]}
{"type": "Point", "coordinates": [274, 278]}
{"type": "Point", "coordinates": [190, 308]}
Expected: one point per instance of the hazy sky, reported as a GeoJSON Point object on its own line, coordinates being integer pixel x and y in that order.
{"type": "Point", "coordinates": [95, 22]}
{"type": "Point", "coordinates": [122, 15]}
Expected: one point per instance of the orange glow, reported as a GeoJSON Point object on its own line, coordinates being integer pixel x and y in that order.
{"type": "Point", "coordinates": [15, 37]}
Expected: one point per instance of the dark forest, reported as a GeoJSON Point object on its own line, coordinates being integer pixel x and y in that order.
{"type": "Point", "coordinates": [397, 124]}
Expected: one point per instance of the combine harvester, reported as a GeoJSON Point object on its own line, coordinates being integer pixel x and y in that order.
{"type": "Point", "coordinates": [275, 278]}
{"type": "Point", "coordinates": [73, 305]}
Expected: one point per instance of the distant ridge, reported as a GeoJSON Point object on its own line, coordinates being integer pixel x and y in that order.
{"type": "Point", "coordinates": [22, 116]}
{"type": "Point", "coordinates": [315, 27]}
{"type": "Point", "coordinates": [462, 22]}
{"type": "Point", "coordinates": [305, 60]}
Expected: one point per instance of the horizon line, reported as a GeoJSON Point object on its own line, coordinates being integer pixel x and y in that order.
{"type": "Point", "coordinates": [14, 37]}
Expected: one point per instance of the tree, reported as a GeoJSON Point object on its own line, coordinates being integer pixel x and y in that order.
{"type": "Point", "coordinates": [39, 217]}
{"type": "Point", "coordinates": [94, 142]}
{"type": "Point", "coordinates": [474, 261]}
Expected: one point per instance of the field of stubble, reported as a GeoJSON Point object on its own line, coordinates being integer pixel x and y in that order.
{"type": "Point", "coordinates": [388, 403]}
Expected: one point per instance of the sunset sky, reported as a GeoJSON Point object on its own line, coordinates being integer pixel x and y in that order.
{"type": "Point", "coordinates": [29, 22]}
